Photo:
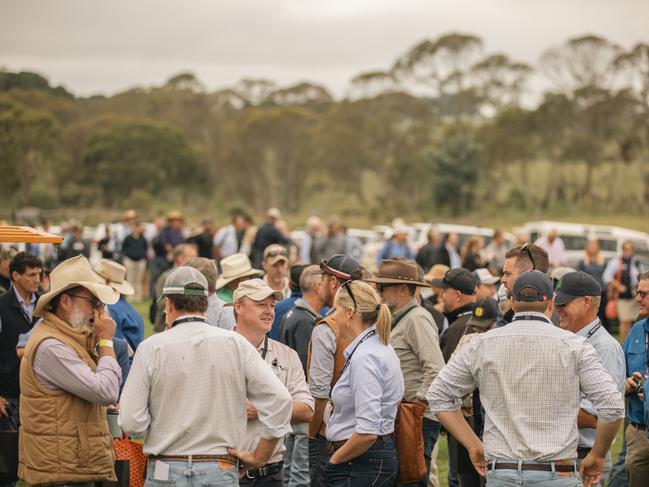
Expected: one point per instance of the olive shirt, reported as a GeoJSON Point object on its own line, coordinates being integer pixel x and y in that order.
{"type": "Point", "coordinates": [414, 338]}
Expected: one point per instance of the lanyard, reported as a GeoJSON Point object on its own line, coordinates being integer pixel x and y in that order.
{"type": "Point", "coordinates": [594, 329]}
{"type": "Point", "coordinates": [264, 351]}
{"type": "Point", "coordinates": [189, 319]}
{"type": "Point", "coordinates": [371, 333]}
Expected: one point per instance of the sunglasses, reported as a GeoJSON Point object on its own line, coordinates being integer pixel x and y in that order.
{"type": "Point", "coordinates": [381, 287]}
{"type": "Point", "coordinates": [348, 287]}
{"type": "Point", "coordinates": [275, 253]}
{"type": "Point", "coordinates": [95, 303]}
{"type": "Point", "coordinates": [526, 248]}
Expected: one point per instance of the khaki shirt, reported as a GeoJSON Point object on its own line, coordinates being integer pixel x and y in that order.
{"type": "Point", "coordinates": [286, 365]}
{"type": "Point", "coordinates": [415, 340]}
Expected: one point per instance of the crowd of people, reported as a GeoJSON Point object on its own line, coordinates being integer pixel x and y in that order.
{"type": "Point", "coordinates": [275, 362]}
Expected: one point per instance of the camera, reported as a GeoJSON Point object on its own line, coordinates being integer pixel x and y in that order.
{"type": "Point", "coordinates": [639, 383]}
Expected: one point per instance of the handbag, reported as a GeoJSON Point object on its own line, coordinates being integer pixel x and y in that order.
{"type": "Point", "coordinates": [131, 451]}
{"type": "Point", "coordinates": [9, 452]}
{"type": "Point", "coordinates": [611, 306]}
{"type": "Point", "coordinates": [410, 442]}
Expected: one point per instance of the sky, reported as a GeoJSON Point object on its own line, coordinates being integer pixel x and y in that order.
{"type": "Point", "coordinates": [94, 47]}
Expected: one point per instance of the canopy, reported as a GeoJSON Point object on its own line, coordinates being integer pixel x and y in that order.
{"type": "Point", "coordinates": [10, 233]}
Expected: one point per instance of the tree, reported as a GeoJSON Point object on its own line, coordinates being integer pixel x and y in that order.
{"type": "Point", "coordinates": [185, 81]}
{"type": "Point", "coordinates": [304, 93]}
{"type": "Point", "coordinates": [26, 80]}
{"type": "Point", "coordinates": [499, 81]}
{"type": "Point", "coordinates": [371, 84]}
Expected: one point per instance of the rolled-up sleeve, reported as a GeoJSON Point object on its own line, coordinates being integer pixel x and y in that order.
{"type": "Point", "coordinates": [454, 381]}
{"type": "Point", "coordinates": [598, 387]}
{"type": "Point", "coordinates": [366, 383]}
{"type": "Point", "coordinates": [323, 349]}
{"type": "Point", "coordinates": [134, 405]}
{"type": "Point", "coordinates": [267, 393]}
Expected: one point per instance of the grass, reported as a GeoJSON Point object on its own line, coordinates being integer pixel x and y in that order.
{"type": "Point", "coordinates": [142, 308]}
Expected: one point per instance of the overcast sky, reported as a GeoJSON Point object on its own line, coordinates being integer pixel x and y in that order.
{"type": "Point", "coordinates": [105, 47]}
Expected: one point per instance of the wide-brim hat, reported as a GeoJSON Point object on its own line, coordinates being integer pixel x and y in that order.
{"type": "Point", "coordinates": [392, 271]}
{"type": "Point", "coordinates": [438, 271]}
{"type": "Point", "coordinates": [71, 273]}
{"type": "Point", "coordinates": [234, 267]}
{"type": "Point", "coordinates": [174, 215]}
{"type": "Point", "coordinates": [114, 274]}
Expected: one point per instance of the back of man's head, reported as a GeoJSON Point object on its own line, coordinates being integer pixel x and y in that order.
{"type": "Point", "coordinates": [207, 267]}
{"type": "Point", "coordinates": [529, 257]}
{"type": "Point", "coordinates": [309, 277]}
{"type": "Point", "coordinates": [182, 252]}
{"type": "Point", "coordinates": [533, 291]}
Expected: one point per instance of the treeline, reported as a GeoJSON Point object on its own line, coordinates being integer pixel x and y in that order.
{"type": "Point", "coordinates": [444, 129]}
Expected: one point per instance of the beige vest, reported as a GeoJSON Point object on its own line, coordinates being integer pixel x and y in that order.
{"type": "Point", "coordinates": [63, 438]}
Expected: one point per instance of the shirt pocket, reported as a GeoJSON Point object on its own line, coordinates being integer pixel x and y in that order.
{"type": "Point", "coordinates": [637, 355]}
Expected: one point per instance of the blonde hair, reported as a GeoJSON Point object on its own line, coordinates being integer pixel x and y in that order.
{"type": "Point", "coordinates": [368, 306]}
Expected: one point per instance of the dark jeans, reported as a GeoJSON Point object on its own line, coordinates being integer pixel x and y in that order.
{"type": "Point", "coordinates": [430, 432]}
{"type": "Point", "coordinates": [275, 480]}
{"type": "Point", "coordinates": [318, 458]}
{"type": "Point", "coordinates": [377, 467]}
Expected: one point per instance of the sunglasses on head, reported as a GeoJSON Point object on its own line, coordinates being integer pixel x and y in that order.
{"type": "Point", "coordinates": [275, 253]}
{"type": "Point", "coordinates": [526, 248]}
{"type": "Point", "coordinates": [348, 287]}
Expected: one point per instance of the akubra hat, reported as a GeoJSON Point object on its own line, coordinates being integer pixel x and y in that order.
{"type": "Point", "coordinates": [234, 267]}
{"type": "Point", "coordinates": [75, 271]}
{"type": "Point", "coordinates": [392, 271]}
{"type": "Point", "coordinates": [114, 274]}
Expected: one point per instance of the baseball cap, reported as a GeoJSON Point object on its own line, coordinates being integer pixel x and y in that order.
{"type": "Point", "coordinates": [484, 313]}
{"type": "Point", "coordinates": [179, 280]}
{"type": "Point", "coordinates": [535, 281]}
{"type": "Point", "coordinates": [255, 289]}
{"type": "Point", "coordinates": [342, 267]}
{"type": "Point", "coordinates": [461, 279]}
{"type": "Point", "coordinates": [274, 253]}
{"type": "Point", "coordinates": [575, 285]}
{"type": "Point", "coordinates": [486, 277]}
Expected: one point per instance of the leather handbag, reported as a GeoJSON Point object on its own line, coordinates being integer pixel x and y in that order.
{"type": "Point", "coordinates": [410, 442]}
{"type": "Point", "coordinates": [131, 452]}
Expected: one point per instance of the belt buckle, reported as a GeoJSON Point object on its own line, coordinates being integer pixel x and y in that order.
{"type": "Point", "coordinates": [248, 473]}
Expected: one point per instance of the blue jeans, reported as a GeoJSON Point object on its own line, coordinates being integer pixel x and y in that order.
{"type": "Point", "coordinates": [517, 478]}
{"type": "Point", "coordinates": [318, 457]}
{"type": "Point", "coordinates": [296, 460]}
{"type": "Point", "coordinates": [377, 467]}
{"type": "Point", "coordinates": [196, 474]}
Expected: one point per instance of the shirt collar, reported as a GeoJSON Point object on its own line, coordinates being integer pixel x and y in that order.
{"type": "Point", "coordinates": [405, 308]}
{"type": "Point", "coordinates": [301, 303]}
{"type": "Point", "coordinates": [584, 331]}
{"type": "Point", "coordinates": [260, 348]}
{"type": "Point", "coordinates": [357, 340]}
{"type": "Point", "coordinates": [532, 313]}
{"type": "Point", "coordinates": [32, 297]}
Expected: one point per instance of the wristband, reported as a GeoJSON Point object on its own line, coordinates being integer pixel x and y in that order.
{"type": "Point", "coordinates": [105, 343]}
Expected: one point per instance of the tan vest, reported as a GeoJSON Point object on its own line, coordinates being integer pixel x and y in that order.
{"type": "Point", "coordinates": [63, 438]}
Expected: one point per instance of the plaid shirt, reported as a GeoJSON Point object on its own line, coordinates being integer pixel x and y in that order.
{"type": "Point", "coordinates": [530, 375]}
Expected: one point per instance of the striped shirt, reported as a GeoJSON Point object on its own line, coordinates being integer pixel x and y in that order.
{"type": "Point", "coordinates": [530, 374]}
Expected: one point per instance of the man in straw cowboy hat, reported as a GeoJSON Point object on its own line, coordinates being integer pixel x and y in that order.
{"type": "Point", "coordinates": [129, 323]}
{"type": "Point", "coordinates": [195, 419]}
{"type": "Point", "coordinates": [68, 375]}
{"type": "Point", "coordinates": [235, 269]}
{"type": "Point", "coordinates": [414, 338]}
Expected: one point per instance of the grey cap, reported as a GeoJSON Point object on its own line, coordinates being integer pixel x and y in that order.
{"type": "Point", "coordinates": [179, 280]}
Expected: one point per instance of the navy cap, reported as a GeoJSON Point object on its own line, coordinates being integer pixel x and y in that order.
{"type": "Point", "coordinates": [537, 287]}
{"type": "Point", "coordinates": [461, 279]}
{"type": "Point", "coordinates": [484, 313]}
{"type": "Point", "coordinates": [575, 285]}
{"type": "Point", "coordinates": [342, 267]}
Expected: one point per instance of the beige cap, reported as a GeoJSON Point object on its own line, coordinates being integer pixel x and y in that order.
{"type": "Point", "coordinates": [438, 271]}
{"type": "Point", "coordinates": [275, 253]}
{"type": "Point", "coordinates": [114, 274]}
{"type": "Point", "coordinates": [257, 290]}
{"type": "Point", "coordinates": [274, 213]}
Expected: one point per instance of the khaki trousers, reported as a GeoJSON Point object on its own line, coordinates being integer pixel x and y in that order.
{"type": "Point", "coordinates": [637, 456]}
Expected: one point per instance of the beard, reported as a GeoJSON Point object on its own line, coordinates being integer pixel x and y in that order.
{"type": "Point", "coordinates": [79, 320]}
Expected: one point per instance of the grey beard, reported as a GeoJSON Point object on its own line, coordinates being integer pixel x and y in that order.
{"type": "Point", "coordinates": [79, 321]}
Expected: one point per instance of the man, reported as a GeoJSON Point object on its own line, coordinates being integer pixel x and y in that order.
{"type": "Point", "coordinates": [526, 257]}
{"type": "Point", "coordinates": [275, 265]}
{"type": "Point", "coordinates": [555, 248]}
{"type": "Point", "coordinates": [458, 295]}
{"type": "Point", "coordinates": [204, 240]}
{"type": "Point", "coordinates": [577, 299]}
{"type": "Point", "coordinates": [16, 318]}
{"type": "Point", "coordinates": [353, 245]}
{"type": "Point", "coordinates": [432, 303]}
{"type": "Point", "coordinates": [530, 375]}
{"type": "Point", "coordinates": [172, 235]}
{"type": "Point", "coordinates": [134, 251]}
{"type": "Point", "coordinates": [426, 254]}
{"type": "Point", "coordinates": [5, 277]}
{"type": "Point", "coordinates": [621, 275]}
{"type": "Point", "coordinates": [636, 354]}
{"type": "Point", "coordinates": [486, 284]}
{"type": "Point", "coordinates": [217, 313]}
{"type": "Point", "coordinates": [226, 240]}
{"type": "Point", "coordinates": [195, 420]}
{"type": "Point", "coordinates": [68, 375]}
{"type": "Point", "coordinates": [495, 252]}
{"type": "Point", "coordinates": [334, 242]}
{"type": "Point", "coordinates": [287, 304]}
{"type": "Point", "coordinates": [267, 234]}
{"type": "Point", "coordinates": [254, 302]}
{"type": "Point", "coordinates": [129, 323]}
{"type": "Point", "coordinates": [447, 253]}
{"type": "Point", "coordinates": [158, 262]}
{"type": "Point", "coordinates": [325, 360]}
{"type": "Point", "coordinates": [297, 326]}
{"type": "Point", "coordinates": [311, 242]}
{"type": "Point", "coordinates": [236, 269]}
{"type": "Point", "coordinates": [396, 246]}
{"type": "Point", "coordinates": [180, 254]}
{"type": "Point", "coordinates": [414, 338]}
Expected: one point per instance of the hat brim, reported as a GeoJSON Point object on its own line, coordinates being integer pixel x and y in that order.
{"type": "Point", "coordinates": [441, 283]}
{"type": "Point", "coordinates": [102, 292]}
{"type": "Point", "coordinates": [491, 281]}
{"type": "Point", "coordinates": [392, 280]}
{"type": "Point", "coordinates": [276, 259]}
{"type": "Point", "coordinates": [480, 322]}
{"type": "Point", "coordinates": [561, 299]}
{"type": "Point", "coordinates": [222, 281]}
{"type": "Point", "coordinates": [123, 287]}
{"type": "Point", "coordinates": [261, 295]}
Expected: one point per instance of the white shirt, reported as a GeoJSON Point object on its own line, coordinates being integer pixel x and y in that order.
{"type": "Point", "coordinates": [226, 240]}
{"type": "Point", "coordinates": [556, 250]}
{"type": "Point", "coordinates": [187, 392]}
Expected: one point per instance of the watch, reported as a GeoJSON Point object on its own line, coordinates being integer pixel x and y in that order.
{"type": "Point", "coordinates": [105, 343]}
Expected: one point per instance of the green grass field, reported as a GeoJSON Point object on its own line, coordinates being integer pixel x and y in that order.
{"type": "Point", "coordinates": [442, 459]}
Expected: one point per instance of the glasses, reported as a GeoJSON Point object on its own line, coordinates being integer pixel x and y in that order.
{"type": "Point", "coordinates": [382, 287]}
{"type": "Point", "coordinates": [275, 253]}
{"type": "Point", "coordinates": [526, 248]}
{"type": "Point", "coordinates": [642, 294]}
{"type": "Point", "coordinates": [347, 286]}
{"type": "Point", "coordinates": [95, 303]}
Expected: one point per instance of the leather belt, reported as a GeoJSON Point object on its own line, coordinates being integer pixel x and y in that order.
{"type": "Point", "coordinates": [582, 452]}
{"type": "Point", "coordinates": [196, 458]}
{"type": "Point", "coordinates": [268, 469]}
{"type": "Point", "coordinates": [641, 427]}
{"type": "Point", "coordinates": [333, 446]}
{"type": "Point", "coordinates": [559, 466]}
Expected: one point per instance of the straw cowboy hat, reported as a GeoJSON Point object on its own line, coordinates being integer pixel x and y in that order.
{"type": "Point", "coordinates": [392, 271]}
{"type": "Point", "coordinates": [114, 273]}
{"type": "Point", "coordinates": [234, 267]}
{"type": "Point", "coordinates": [74, 272]}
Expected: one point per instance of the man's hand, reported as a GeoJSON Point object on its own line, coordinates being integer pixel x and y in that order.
{"type": "Point", "coordinates": [104, 325]}
{"type": "Point", "coordinates": [591, 469]}
{"type": "Point", "coordinates": [3, 405]}
{"type": "Point", "coordinates": [630, 385]}
{"type": "Point", "coordinates": [251, 410]}
{"type": "Point", "coordinates": [477, 458]}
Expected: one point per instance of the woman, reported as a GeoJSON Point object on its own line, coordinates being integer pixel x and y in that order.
{"type": "Point", "coordinates": [360, 431]}
{"type": "Point", "coordinates": [594, 264]}
{"type": "Point", "coordinates": [471, 259]}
